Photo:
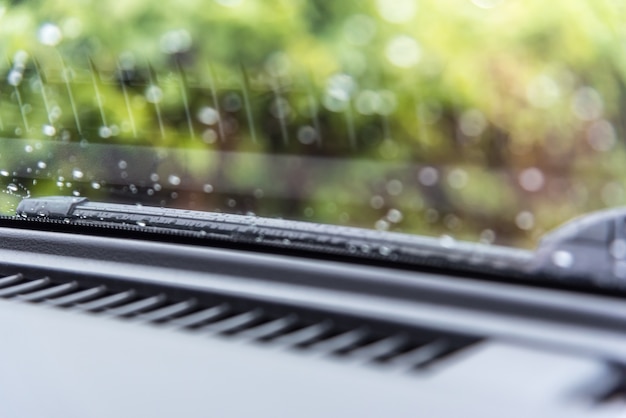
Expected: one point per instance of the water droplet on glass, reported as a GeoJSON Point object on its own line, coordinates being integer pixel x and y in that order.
{"type": "Point", "coordinates": [428, 176]}
{"type": "Point", "coordinates": [394, 187]}
{"type": "Point", "coordinates": [49, 130]}
{"type": "Point", "coordinates": [49, 34]}
{"type": "Point", "coordinates": [397, 11]}
{"type": "Point", "coordinates": [154, 94]}
{"type": "Point", "coordinates": [394, 216]}
{"type": "Point", "coordinates": [403, 51]}
{"type": "Point", "coordinates": [384, 250]}
{"type": "Point", "coordinates": [28, 148]}
{"type": "Point", "coordinates": [377, 202]}
{"type": "Point", "coordinates": [175, 41]}
{"type": "Point", "coordinates": [173, 180]}
{"type": "Point", "coordinates": [446, 241]}
{"type": "Point", "coordinates": [208, 115]}
{"type": "Point", "coordinates": [207, 188]}
{"type": "Point", "coordinates": [209, 136]}
{"type": "Point", "coordinates": [95, 185]}
{"type": "Point", "coordinates": [42, 164]}
{"type": "Point", "coordinates": [381, 225]}
{"type": "Point", "coordinates": [280, 108]}
{"type": "Point", "coordinates": [563, 259]}
{"type": "Point", "coordinates": [531, 179]}
{"type": "Point", "coordinates": [487, 236]}
{"type": "Point", "coordinates": [141, 223]}
{"type": "Point", "coordinates": [77, 174]}
{"type": "Point", "coordinates": [307, 135]}
{"type": "Point", "coordinates": [457, 179]}
{"type": "Point", "coordinates": [104, 132]}
{"type": "Point", "coordinates": [472, 123]}
{"type": "Point", "coordinates": [15, 77]}
{"type": "Point", "coordinates": [12, 188]}
{"type": "Point", "coordinates": [4, 173]}
{"type": "Point", "coordinates": [525, 220]}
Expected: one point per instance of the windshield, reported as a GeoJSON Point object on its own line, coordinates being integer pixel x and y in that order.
{"type": "Point", "coordinates": [486, 120]}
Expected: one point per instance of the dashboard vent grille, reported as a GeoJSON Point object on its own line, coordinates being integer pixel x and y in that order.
{"type": "Point", "coordinates": [352, 339]}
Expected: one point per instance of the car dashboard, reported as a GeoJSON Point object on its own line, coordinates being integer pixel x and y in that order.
{"type": "Point", "coordinates": [110, 326]}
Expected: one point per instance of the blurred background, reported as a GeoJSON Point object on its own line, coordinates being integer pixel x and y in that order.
{"type": "Point", "coordinates": [480, 120]}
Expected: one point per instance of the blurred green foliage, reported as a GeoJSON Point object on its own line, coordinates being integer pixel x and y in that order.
{"type": "Point", "coordinates": [490, 120]}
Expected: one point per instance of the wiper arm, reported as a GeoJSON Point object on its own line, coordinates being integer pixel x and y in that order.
{"type": "Point", "coordinates": [243, 230]}
{"type": "Point", "coordinates": [587, 251]}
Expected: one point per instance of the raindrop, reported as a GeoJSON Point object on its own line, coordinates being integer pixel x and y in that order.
{"type": "Point", "coordinates": [15, 77]}
{"type": "Point", "coordinates": [76, 193]}
{"type": "Point", "coordinates": [49, 34]}
{"type": "Point", "coordinates": [175, 41]}
{"type": "Point", "coordinates": [209, 136]}
{"type": "Point", "coordinates": [377, 202]}
{"type": "Point", "coordinates": [77, 174]}
{"type": "Point", "coordinates": [28, 148]}
{"type": "Point", "coordinates": [531, 179]}
{"type": "Point", "coordinates": [307, 135]}
{"type": "Point", "coordinates": [41, 165]}
{"type": "Point", "coordinates": [563, 259]}
{"type": "Point", "coordinates": [457, 179]}
{"type": "Point", "coordinates": [446, 241]}
{"type": "Point", "coordinates": [397, 11]}
{"type": "Point", "coordinates": [95, 185]}
{"type": "Point", "coordinates": [208, 116]}
{"type": "Point", "coordinates": [141, 223]}
{"type": "Point", "coordinates": [394, 187]}
{"type": "Point", "coordinates": [154, 177]}
{"type": "Point", "coordinates": [381, 225]}
{"type": "Point", "coordinates": [340, 87]}
{"type": "Point", "coordinates": [280, 108]}
{"type": "Point", "coordinates": [428, 176]}
{"type": "Point", "coordinates": [207, 188]}
{"type": "Point", "coordinates": [104, 132]}
{"type": "Point", "coordinates": [403, 51]}
{"type": "Point", "coordinates": [12, 188]}
{"type": "Point", "coordinates": [472, 123]}
{"type": "Point", "coordinates": [487, 236]}
{"type": "Point", "coordinates": [394, 216]}
{"type": "Point", "coordinates": [525, 220]}
{"type": "Point", "coordinates": [4, 173]}
{"type": "Point", "coordinates": [384, 250]}
{"type": "Point", "coordinates": [122, 165]}
{"type": "Point", "coordinates": [173, 180]}
{"type": "Point", "coordinates": [154, 94]}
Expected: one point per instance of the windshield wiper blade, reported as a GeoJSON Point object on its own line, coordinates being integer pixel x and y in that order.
{"type": "Point", "coordinates": [588, 251]}
{"type": "Point", "coordinates": [443, 254]}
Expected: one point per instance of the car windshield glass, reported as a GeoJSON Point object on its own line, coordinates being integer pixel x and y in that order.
{"type": "Point", "coordinates": [490, 121]}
